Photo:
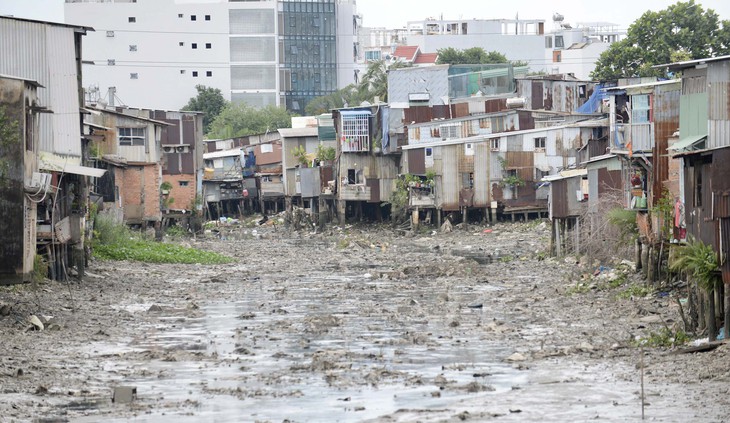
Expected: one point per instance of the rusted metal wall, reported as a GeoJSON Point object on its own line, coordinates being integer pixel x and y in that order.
{"type": "Point", "coordinates": [417, 161]}
{"type": "Point", "coordinates": [721, 183]}
{"type": "Point", "coordinates": [495, 105]}
{"type": "Point", "coordinates": [699, 216]}
{"type": "Point", "coordinates": [418, 114]}
{"type": "Point", "coordinates": [459, 110]}
{"type": "Point", "coordinates": [666, 122]}
{"type": "Point", "coordinates": [724, 249]}
{"type": "Point", "coordinates": [718, 110]}
{"type": "Point", "coordinates": [523, 162]}
{"type": "Point", "coordinates": [536, 95]}
{"type": "Point", "coordinates": [609, 181]}
{"type": "Point", "coordinates": [559, 199]}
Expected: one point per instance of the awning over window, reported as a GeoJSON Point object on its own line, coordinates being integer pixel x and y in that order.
{"type": "Point", "coordinates": [685, 144]}
{"type": "Point", "coordinates": [70, 168]}
{"type": "Point", "coordinates": [355, 112]}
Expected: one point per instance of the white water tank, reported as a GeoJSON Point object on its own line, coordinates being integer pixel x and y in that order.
{"type": "Point", "coordinates": [516, 102]}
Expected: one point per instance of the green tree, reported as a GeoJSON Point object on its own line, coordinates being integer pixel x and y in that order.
{"type": "Point", "coordinates": [470, 56]}
{"type": "Point", "coordinates": [239, 119]}
{"type": "Point", "coordinates": [209, 101]}
{"type": "Point", "coordinates": [374, 82]}
{"type": "Point", "coordinates": [336, 100]}
{"type": "Point", "coordinates": [684, 30]}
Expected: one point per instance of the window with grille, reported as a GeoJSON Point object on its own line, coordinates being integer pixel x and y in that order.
{"type": "Point", "coordinates": [208, 73]}
{"type": "Point", "coordinates": [450, 131]}
{"type": "Point", "coordinates": [208, 45]}
{"type": "Point", "coordinates": [195, 73]}
{"type": "Point", "coordinates": [194, 45]}
{"type": "Point", "coordinates": [207, 17]}
{"type": "Point", "coordinates": [494, 144]}
{"type": "Point", "coordinates": [131, 136]}
{"type": "Point", "coordinates": [132, 19]}
{"type": "Point", "coordinates": [193, 18]}
{"type": "Point", "coordinates": [355, 133]}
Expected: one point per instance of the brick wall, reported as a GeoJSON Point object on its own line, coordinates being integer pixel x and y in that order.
{"type": "Point", "coordinates": [140, 193]}
{"type": "Point", "coordinates": [183, 194]}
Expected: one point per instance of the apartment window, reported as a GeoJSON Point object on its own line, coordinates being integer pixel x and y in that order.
{"type": "Point", "coordinates": [110, 34]}
{"type": "Point", "coordinates": [559, 43]}
{"type": "Point", "coordinates": [207, 17]}
{"type": "Point", "coordinates": [548, 42]}
{"type": "Point", "coordinates": [183, 183]}
{"type": "Point", "coordinates": [179, 15]}
{"type": "Point", "coordinates": [540, 143]}
{"type": "Point", "coordinates": [132, 19]}
{"type": "Point", "coordinates": [208, 45]}
{"type": "Point", "coordinates": [133, 48]}
{"type": "Point", "coordinates": [131, 136]}
{"type": "Point", "coordinates": [193, 18]}
{"type": "Point", "coordinates": [494, 144]}
{"type": "Point", "coordinates": [557, 57]}
{"type": "Point", "coordinates": [111, 62]}
{"type": "Point", "coordinates": [134, 75]}
{"type": "Point", "coordinates": [182, 71]}
{"type": "Point", "coordinates": [208, 73]}
{"type": "Point", "coordinates": [181, 43]}
{"type": "Point", "coordinates": [194, 45]}
{"type": "Point", "coordinates": [195, 74]}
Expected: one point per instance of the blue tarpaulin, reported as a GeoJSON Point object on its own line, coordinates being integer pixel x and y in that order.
{"type": "Point", "coordinates": [593, 104]}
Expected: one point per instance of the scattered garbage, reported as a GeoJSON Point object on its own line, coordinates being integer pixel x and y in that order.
{"type": "Point", "coordinates": [124, 394]}
{"type": "Point", "coordinates": [36, 323]}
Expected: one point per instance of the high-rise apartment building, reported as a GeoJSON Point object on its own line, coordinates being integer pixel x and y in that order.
{"type": "Point", "coordinates": [266, 52]}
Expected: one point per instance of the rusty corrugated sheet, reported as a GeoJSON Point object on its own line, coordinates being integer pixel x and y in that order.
{"type": "Point", "coordinates": [597, 147]}
{"type": "Point", "coordinates": [721, 205]}
{"type": "Point", "coordinates": [451, 179]}
{"type": "Point", "coordinates": [720, 173]}
{"type": "Point", "coordinates": [559, 201]}
{"type": "Point", "coordinates": [418, 114]}
{"type": "Point", "coordinates": [188, 132]}
{"type": "Point", "coordinates": [609, 181]}
{"type": "Point", "coordinates": [718, 107]}
{"type": "Point", "coordinates": [460, 110]}
{"type": "Point", "coordinates": [537, 96]}
{"type": "Point", "coordinates": [441, 111]}
{"type": "Point", "coordinates": [466, 197]}
{"type": "Point", "coordinates": [699, 216]}
{"type": "Point", "coordinates": [724, 249]}
{"type": "Point", "coordinates": [495, 105]}
{"type": "Point", "coordinates": [523, 162]}
{"type": "Point", "coordinates": [417, 161]}
{"type": "Point", "coordinates": [665, 111]}
{"type": "Point", "coordinates": [526, 120]}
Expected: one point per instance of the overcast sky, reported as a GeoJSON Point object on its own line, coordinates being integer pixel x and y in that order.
{"type": "Point", "coordinates": [395, 13]}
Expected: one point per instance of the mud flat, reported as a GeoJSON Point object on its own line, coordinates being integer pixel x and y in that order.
{"type": "Point", "coordinates": [352, 324]}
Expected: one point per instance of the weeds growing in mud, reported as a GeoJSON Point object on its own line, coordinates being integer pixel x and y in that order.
{"type": "Point", "coordinates": [634, 291]}
{"type": "Point", "coordinates": [113, 241]}
{"type": "Point", "coordinates": [663, 338]}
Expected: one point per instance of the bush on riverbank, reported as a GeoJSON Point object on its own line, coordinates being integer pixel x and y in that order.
{"type": "Point", "coordinates": [113, 241]}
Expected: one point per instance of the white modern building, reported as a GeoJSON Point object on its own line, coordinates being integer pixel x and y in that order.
{"type": "Point", "coordinates": [266, 52]}
{"type": "Point", "coordinates": [564, 49]}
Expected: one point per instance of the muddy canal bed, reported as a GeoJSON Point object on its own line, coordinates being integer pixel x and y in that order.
{"type": "Point", "coordinates": [353, 324]}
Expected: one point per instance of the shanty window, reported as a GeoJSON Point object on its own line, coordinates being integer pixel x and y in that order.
{"type": "Point", "coordinates": [355, 133]}
{"type": "Point", "coordinates": [183, 183]}
{"type": "Point", "coordinates": [267, 148]}
{"type": "Point", "coordinates": [494, 144]}
{"type": "Point", "coordinates": [548, 42]}
{"type": "Point", "coordinates": [640, 108]}
{"type": "Point", "coordinates": [469, 149]}
{"type": "Point", "coordinates": [132, 136]}
{"type": "Point", "coordinates": [540, 143]}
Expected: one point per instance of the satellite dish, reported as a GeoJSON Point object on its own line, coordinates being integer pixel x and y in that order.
{"type": "Point", "coordinates": [557, 17]}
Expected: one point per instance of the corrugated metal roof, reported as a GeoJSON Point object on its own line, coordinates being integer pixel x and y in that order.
{"type": "Point", "coordinates": [75, 27]}
{"type": "Point", "coordinates": [113, 112]}
{"type": "Point", "coordinates": [571, 173]}
{"type": "Point", "coordinates": [298, 132]}
{"type": "Point", "coordinates": [646, 84]}
{"type": "Point", "coordinates": [223, 153]}
{"type": "Point", "coordinates": [690, 63]}
{"type": "Point", "coordinates": [30, 81]}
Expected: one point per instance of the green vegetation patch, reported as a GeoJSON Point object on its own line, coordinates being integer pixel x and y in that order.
{"type": "Point", "coordinates": [157, 252]}
{"type": "Point", "coordinates": [113, 241]}
{"type": "Point", "coordinates": [664, 338]}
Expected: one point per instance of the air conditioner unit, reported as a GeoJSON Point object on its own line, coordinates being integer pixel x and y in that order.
{"type": "Point", "coordinates": [38, 183]}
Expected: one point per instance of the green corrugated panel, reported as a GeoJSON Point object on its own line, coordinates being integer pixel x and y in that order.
{"type": "Point", "coordinates": [692, 115]}
{"type": "Point", "coordinates": [326, 133]}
